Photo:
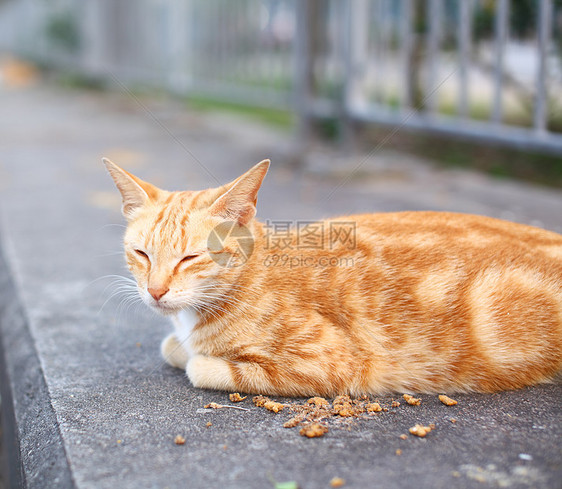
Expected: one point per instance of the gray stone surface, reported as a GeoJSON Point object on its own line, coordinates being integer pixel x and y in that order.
{"type": "Point", "coordinates": [81, 371]}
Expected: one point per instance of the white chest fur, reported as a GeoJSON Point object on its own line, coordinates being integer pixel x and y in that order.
{"type": "Point", "coordinates": [184, 323]}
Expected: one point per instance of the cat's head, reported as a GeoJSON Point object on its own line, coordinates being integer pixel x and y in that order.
{"type": "Point", "coordinates": [186, 249]}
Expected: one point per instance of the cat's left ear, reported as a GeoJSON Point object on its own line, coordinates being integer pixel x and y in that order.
{"type": "Point", "coordinates": [135, 192]}
{"type": "Point", "coordinates": [239, 203]}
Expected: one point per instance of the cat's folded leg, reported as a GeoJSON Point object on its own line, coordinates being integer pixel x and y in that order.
{"type": "Point", "coordinates": [210, 373]}
{"type": "Point", "coordinates": [173, 352]}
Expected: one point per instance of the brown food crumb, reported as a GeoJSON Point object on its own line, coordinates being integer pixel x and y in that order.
{"type": "Point", "coordinates": [179, 440]}
{"type": "Point", "coordinates": [453, 420]}
{"type": "Point", "coordinates": [420, 430]}
{"type": "Point", "coordinates": [345, 407]}
{"type": "Point", "coordinates": [273, 406]}
{"type": "Point", "coordinates": [411, 400]}
{"type": "Point", "coordinates": [294, 421]}
{"type": "Point", "coordinates": [209, 424]}
{"type": "Point", "coordinates": [342, 400]}
{"type": "Point", "coordinates": [318, 402]}
{"type": "Point", "coordinates": [337, 482]}
{"type": "Point", "coordinates": [403, 436]}
{"type": "Point", "coordinates": [373, 407]}
{"type": "Point", "coordinates": [395, 404]}
{"type": "Point", "coordinates": [447, 400]}
{"type": "Point", "coordinates": [344, 410]}
{"type": "Point", "coordinates": [260, 401]}
{"type": "Point", "coordinates": [236, 397]}
{"type": "Point", "coordinates": [313, 430]}
{"type": "Point", "coordinates": [398, 451]}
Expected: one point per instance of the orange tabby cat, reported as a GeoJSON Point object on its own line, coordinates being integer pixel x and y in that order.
{"type": "Point", "coordinates": [409, 301]}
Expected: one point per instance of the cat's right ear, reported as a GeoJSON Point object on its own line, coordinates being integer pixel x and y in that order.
{"type": "Point", "coordinates": [134, 192]}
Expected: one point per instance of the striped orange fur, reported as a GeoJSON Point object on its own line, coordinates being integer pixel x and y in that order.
{"type": "Point", "coordinates": [416, 301]}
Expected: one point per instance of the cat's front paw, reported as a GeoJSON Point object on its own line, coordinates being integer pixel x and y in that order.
{"type": "Point", "coordinates": [173, 352]}
{"type": "Point", "coordinates": [210, 373]}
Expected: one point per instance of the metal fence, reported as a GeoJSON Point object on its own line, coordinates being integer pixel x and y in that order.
{"type": "Point", "coordinates": [485, 69]}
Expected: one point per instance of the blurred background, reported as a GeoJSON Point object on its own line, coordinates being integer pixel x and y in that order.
{"type": "Point", "coordinates": [436, 75]}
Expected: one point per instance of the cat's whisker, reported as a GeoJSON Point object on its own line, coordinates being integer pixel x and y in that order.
{"type": "Point", "coordinates": [126, 304]}
{"type": "Point", "coordinates": [121, 285]}
{"type": "Point", "coordinates": [122, 290]}
{"type": "Point", "coordinates": [112, 276]}
{"type": "Point", "coordinates": [101, 228]}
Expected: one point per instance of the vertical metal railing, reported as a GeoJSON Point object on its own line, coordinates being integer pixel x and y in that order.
{"type": "Point", "coordinates": [433, 42]}
{"type": "Point", "coordinates": [464, 33]}
{"type": "Point", "coordinates": [406, 12]}
{"type": "Point", "coordinates": [544, 22]}
{"type": "Point", "coordinates": [501, 31]}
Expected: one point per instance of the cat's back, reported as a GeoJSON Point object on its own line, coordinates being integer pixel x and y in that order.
{"type": "Point", "coordinates": [443, 236]}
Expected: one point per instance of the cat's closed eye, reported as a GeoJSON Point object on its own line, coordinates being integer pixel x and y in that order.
{"type": "Point", "coordinates": [142, 253]}
{"type": "Point", "coordinates": [188, 258]}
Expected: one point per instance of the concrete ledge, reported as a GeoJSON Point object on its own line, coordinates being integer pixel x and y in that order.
{"type": "Point", "coordinates": [35, 455]}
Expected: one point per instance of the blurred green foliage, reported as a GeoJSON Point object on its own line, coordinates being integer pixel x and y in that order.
{"type": "Point", "coordinates": [496, 160]}
{"type": "Point", "coordinates": [283, 119]}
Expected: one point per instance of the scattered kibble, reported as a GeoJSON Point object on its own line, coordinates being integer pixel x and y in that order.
{"type": "Point", "coordinates": [346, 408]}
{"type": "Point", "coordinates": [179, 440]}
{"type": "Point", "coordinates": [267, 403]}
{"type": "Point", "coordinates": [316, 412]}
{"type": "Point", "coordinates": [313, 430]}
{"type": "Point", "coordinates": [318, 402]}
{"type": "Point", "coordinates": [209, 424]}
{"type": "Point", "coordinates": [273, 406]}
{"type": "Point", "coordinates": [420, 430]}
{"type": "Point", "coordinates": [343, 410]}
{"type": "Point", "coordinates": [398, 452]}
{"type": "Point", "coordinates": [295, 421]}
{"type": "Point", "coordinates": [447, 400]}
{"type": "Point", "coordinates": [236, 397]}
{"type": "Point", "coordinates": [341, 400]}
{"type": "Point", "coordinates": [411, 400]}
{"type": "Point", "coordinates": [260, 401]}
{"type": "Point", "coordinates": [337, 482]}
{"type": "Point", "coordinates": [373, 407]}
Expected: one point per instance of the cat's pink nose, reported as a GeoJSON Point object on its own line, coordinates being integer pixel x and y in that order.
{"type": "Point", "coordinates": [157, 292]}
